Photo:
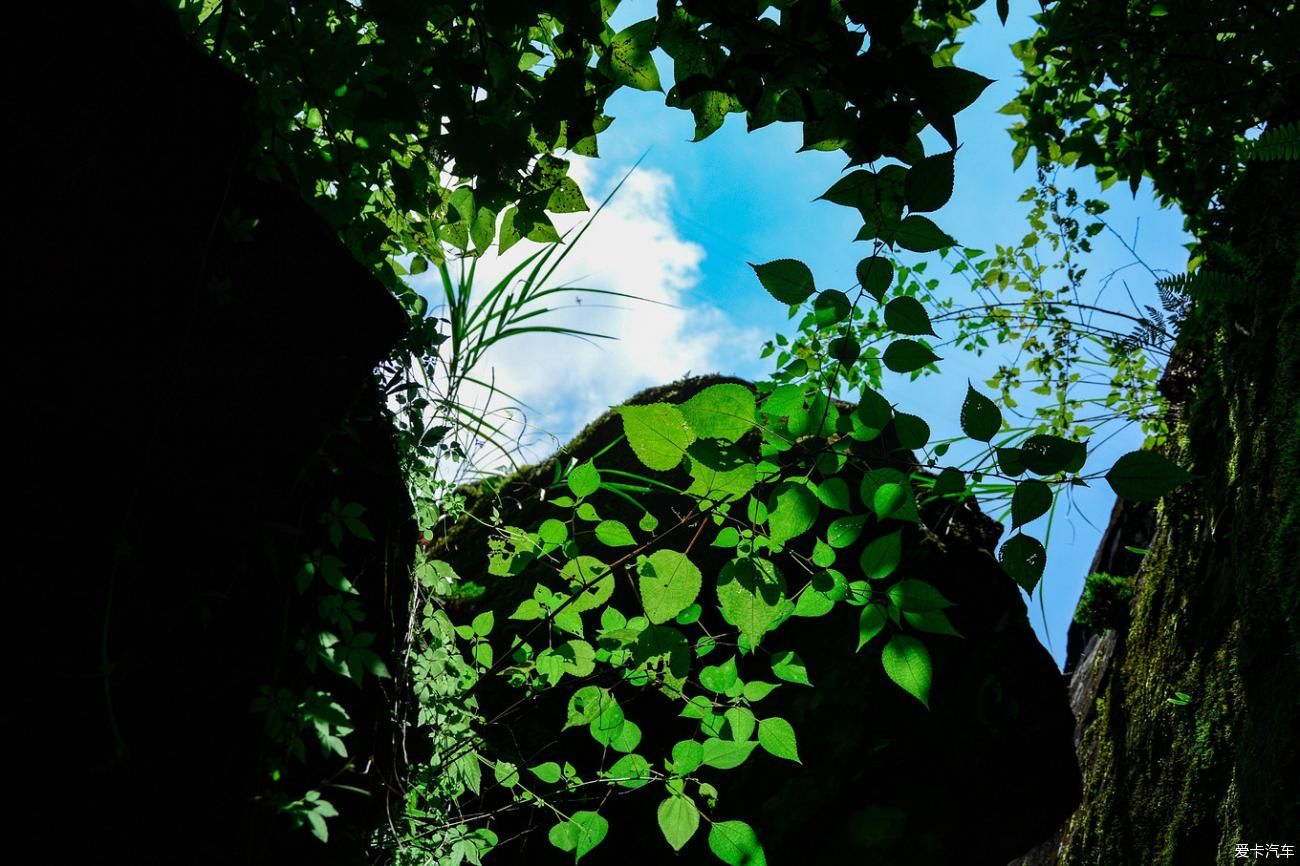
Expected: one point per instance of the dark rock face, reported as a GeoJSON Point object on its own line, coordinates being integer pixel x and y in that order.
{"type": "Point", "coordinates": [196, 389]}
{"type": "Point", "coordinates": [1216, 606]}
{"type": "Point", "coordinates": [984, 775]}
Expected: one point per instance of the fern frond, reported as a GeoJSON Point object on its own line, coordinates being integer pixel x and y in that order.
{"type": "Point", "coordinates": [1276, 144]}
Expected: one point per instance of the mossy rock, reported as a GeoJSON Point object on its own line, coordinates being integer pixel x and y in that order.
{"type": "Point", "coordinates": [979, 777]}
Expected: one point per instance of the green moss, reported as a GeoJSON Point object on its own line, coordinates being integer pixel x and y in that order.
{"type": "Point", "coordinates": [1105, 602]}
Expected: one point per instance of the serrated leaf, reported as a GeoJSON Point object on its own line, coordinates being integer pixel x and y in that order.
{"type": "Point", "coordinates": [980, 417]}
{"type": "Point", "coordinates": [1031, 500]}
{"type": "Point", "coordinates": [678, 820]}
{"type": "Point", "coordinates": [789, 667]}
{"type": "Point", "coordinates": [792, 511]}
{"type": "Point", "coordinates": [880, 558]}
{"type": "Point", "coordinates": [777, 737]}
{"type": "Point", "coordinates": [906, 316]}
{"type": "Point", "coordinates": [907, 663]}
{"type": "Point", "coordinates": [875, 273]}
{"type": "Point", "coordinates": [1145, 475]}
{"type": "Point", "coordinates": [658, 434]}
{"type": "Point", "coordinates": [830, 307]}
{"type": "Point", "coordinates": [614, 533]}
{"type": "Point", "coordinates": [920, 235]}
{"type": "Point", "coordinates": [669, 583]}
{"type": "Point", "coordinates": [751, 594]}
{"type": "Point", "coordinates": [917, 596]}
{"type": "Point", "coordinates": [933, 621]}
{"type": "Point", "coordinates": [788, 280]}
{"type": "Point", "coordinates": [870, 623]}
{"type": "Point", "coordinates": [906, 356]}
{"type": "Point", "coordinates": [843, 531]}
{"type": "Point", "coordinates": [928, 185]}
{"type": "Point", "coordinates": [912, 431]}
{"type": "Point", "coordinates": [736, 844]}
{"type": "Point", "coordinates": [1024, 558]}
{"type": "Point", "coordinates": [856, 189]}
{"type": "Point", "coordinates": [584, 479]}
{"type": "Point", "coordinates": [723, 412]}
{"type": "Point", "coordinates": [726, 754]}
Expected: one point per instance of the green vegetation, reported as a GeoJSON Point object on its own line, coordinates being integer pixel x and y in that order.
{"type": "Point", "coordinates": [428, 134]}
{"type": "Point", "coordinates": [1105, 603]}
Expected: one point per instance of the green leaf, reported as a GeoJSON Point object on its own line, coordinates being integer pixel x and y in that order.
{"type": "Point", "coordinates": [756, 690]}
{"type": "Point", "coordinates": [658, 434]}
{"type": "Point", "coordinates": [751, 594]}
{"type": "Point", "coordinates": [830, 307]}
{"type": "Point", "coordinates": [592, 578]}
{"type": "Point", "coordinates": [888, 503]}
{"type": "Point", "coordinates": [629, 61]}
{"type": "Point", "coordinates": [907, 663]}
{"type": "Point", "coordinates": [740, 723]}
{"type": "Point", "coordinates": [881, 556]}
{"type": "Point", "coordinates": [678, 819]}
{"type": "Point", "coordinates": [905, 356]}
{"type": "Point", "coordinates": [736, 844]}
{"type": "Point", "coordinates": [917, 596]}
{"type": "Point", "coordinates": [834, 493]}
{"type": "Point", "coordinates": [856, 189]}
{"type": "Point", "coordinates": [870, 623]}
{"type": "Point", "coordinates": [912, 431]}
{"type": "Point", "coordinates": [553, 531]}
{"type": "Point", "coordinates": [1144, 475]}
{"type": "Point", "coordinates": [584, 479]}
{"type": "Point", "coordinates": [614, 533]}
{"type": "Point", "coordinates": [907, 316]}
{"type": "Point", "coordinates": [788, 667]}
{"type": "Point", "coordinates": [777, 736]}
{"type": "Point", "coordinates": [950, 481]}
{"type": "Point", "coordinates": [920, 235]}
{"type": "Point", "coordinates": [873, 414]}
{"type": "Point", "coordinates": [719, 678]}
{"type": "Point", "coordinates": [580, 834]}
{"type": "Point", "coordinates": [726, 754]}
{"type": "Point", "coordinates": [1024, 558]}
{"type": "Point", "coordinates": [1031, 500]}
{"type": "Point", "coordinates": [482, 624]}
{"type": "Point", "coordinates": [787, 280]}
{"type": "Point", "coordinates": [928, 185]}
{"type": "Point", "coordinates": [548, 772]}
{"type": "Point", "coordinates": [669, 583]}
{"type": "Point", "coordinates": [632, 771]}
{"type": "Point", "coordinates": [688, 755]}
{"type": "Point", "coordinates": [846, 350]}
{"type": "Point", "coordinates": [980, 418]}
{"type": "Point", "coordinates": [843, 531]}
{"type": "Point", "coordinates": [1047, 455]}
{"type": "Point", "coordinates": [875, 273]}
{"type": "Point", "coordinates": [723, 412]}
{"type": "Point", "coordinates": [792, 511]}
{"type": "Point", "coordinates": [949, 89]}
{"type": "Point", "coordinates": [934, 621]}
{"type": "Point", "coordinates": [888, 498]}
{"type": "Point", "coordinates": [566, 197]}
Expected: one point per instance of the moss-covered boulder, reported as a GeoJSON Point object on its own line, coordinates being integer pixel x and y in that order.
{"type": "Point", "coordinates": [977, 778]}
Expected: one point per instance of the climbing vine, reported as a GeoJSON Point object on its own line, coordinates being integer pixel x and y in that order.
{"type": "Point", "coordinates": [419, 129]}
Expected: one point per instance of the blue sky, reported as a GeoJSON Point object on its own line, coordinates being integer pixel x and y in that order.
{"type": "Point", "coordinates": [683, 232]}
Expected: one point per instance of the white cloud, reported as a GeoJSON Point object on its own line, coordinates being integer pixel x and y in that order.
{"type": "Point", "coordinates": [632, 247]}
